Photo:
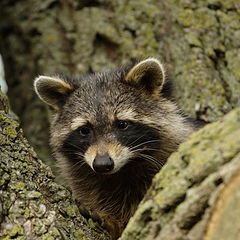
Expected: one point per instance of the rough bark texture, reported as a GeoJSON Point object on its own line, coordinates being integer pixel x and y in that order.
{"type": "Point", "coordinates": [32, 205]}
{"type": "Point", "coordinates": [198, 41]}
{"type": "Point", "coordinates": [196, 196]}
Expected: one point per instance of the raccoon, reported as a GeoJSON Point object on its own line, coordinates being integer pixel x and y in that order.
{"type": "Point", "coordinates": [111, 132]}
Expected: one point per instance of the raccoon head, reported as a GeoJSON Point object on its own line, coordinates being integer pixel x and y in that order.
{"type": "Point", "coordinates": [107, 120]}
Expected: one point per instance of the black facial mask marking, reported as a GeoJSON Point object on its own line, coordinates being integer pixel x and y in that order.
{"type": "Point", "coordinates": [138, 135]}
{"type": "Point", "coordinates": [75, 145]}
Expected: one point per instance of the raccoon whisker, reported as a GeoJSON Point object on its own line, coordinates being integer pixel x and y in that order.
{"type": "Point", "coordinates": [76, 146]}
{"type": "Point", "coordinates": [151, 159]}
{"type": "Point", "coordinates": [161, 163]}
{"type": "Point", "coordinates": [137, 150]}
{"type": "Point", "coordinates": [143, 143]}
{"type": "Point", "coordinates": [80, 155]}
{"type": "Point", "coordinates": [148, 157]}
{"type": "Point", "coordinates": [78, 165]}
{"type": "Point", "coordinates": [151, 165]}
{"type": "Point", "coordinates": [131, 144]}
{"type": "Point", "coordinates": [73, 152]}
{"type": "Point", "coordinates": [79, 160]}
{"type": "Point", "coordinates": [140, 144]}
{"type": "Point", "coordinates": [151, 149]}
{"type": "Point", "coordinates": [140, 150]}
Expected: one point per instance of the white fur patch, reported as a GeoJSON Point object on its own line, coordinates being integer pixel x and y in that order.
{"type": "Point", "coordinates": [148, 61]}
{"type": "Point", "coordinates": [120, 157]}
{"type": "Point", "coordinates": [151, 60]}
{"type": "Point", "coordinates": [119, 154]}
{"type": "Point", "coordinates": [42, 78]}
{"type": "Point", "coordinates": [44, 84]}
{"type": "Point", "coordinates": [78, 122]}
{"type": "Point", "coordinates": [90, 155]}
{"type": "Point", "coordinates": [128, 114]}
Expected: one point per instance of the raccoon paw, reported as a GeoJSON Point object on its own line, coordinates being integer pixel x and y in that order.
{"type": "Point", "coordinates": [97, 218]}
{"type": "Point", "coordinates": [87, 213]}
{"type": "Point", "coordinates": [84, 211]}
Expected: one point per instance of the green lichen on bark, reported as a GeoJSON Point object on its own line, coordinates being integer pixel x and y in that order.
{"type": "Point", "coordinates": [203, 49]}
{"type": "Point", "coordinates": [32, 205]}
{"type": "Point", "coordinates": [184, 192]}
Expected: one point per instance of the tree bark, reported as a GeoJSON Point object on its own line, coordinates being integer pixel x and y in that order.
{"type": "Point", "coordinates": [196, 195]}
{"type": "Point", "coordinates": [32, 205]}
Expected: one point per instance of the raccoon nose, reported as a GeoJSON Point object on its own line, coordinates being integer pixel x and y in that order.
{"type": "Point", "coordinates": [103, 164]}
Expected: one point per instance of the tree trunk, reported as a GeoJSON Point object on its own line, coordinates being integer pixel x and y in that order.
{"type": "Point", "coordinates": [32, 205]}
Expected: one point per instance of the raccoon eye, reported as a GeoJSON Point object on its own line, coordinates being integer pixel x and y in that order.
{"type": "Point", "coordinates": [122, 124]}
{"type": "Point", "coordinates": [84, 131]}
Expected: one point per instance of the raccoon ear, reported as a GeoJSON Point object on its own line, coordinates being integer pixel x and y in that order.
{"type": "Point", "coordinates": [149, 74]}
{"type": "Point", "coordinates": [52, 90]}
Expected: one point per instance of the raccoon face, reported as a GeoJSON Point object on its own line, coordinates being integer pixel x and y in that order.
{"type": "Point", "coordinates": [106, 120]}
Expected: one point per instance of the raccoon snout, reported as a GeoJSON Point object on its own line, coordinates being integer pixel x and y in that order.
{"type": "Point", "coordinates": [103, 164]}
